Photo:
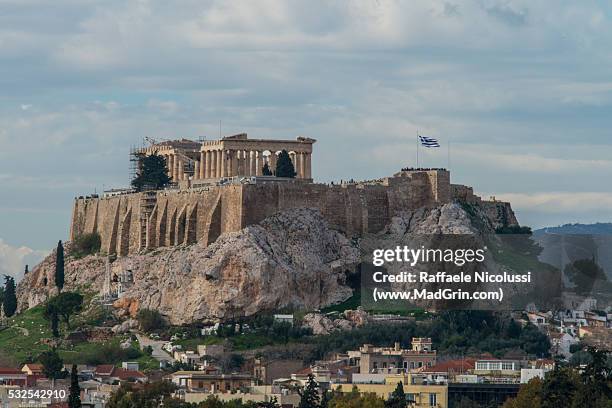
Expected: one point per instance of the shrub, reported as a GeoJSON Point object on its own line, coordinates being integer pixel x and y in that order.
{"type": "Point", "coordinates": [150, 320]}
{"type": "Point", "coordinates": [106, 354]}
{"type": "Point", "coordinates": [86, 244]}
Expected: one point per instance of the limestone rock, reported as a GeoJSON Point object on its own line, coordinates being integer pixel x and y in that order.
{"type": "Point", "coordinates": [357, 317]}
{"type": "Point", "coordinates": [321, 324]}
{"type": "Point", "coordinates": [318, 323]}
{"type": "Point", "coordinates": [291, 259]}
{"type": "Point", "coordinates": [125, 326]}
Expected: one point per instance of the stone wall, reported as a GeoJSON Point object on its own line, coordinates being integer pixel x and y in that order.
{"type": "Point", "coordinates": [132, 222]}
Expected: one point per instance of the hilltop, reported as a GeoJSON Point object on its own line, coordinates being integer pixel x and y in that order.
{"type": "Point", "coordinates": [291, 260]}
{"type": "Point", "coordinates": [599, 228]}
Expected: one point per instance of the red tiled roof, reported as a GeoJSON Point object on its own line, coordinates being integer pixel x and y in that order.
{"type": "Point", "coordinates": [105, 369]}
{"type": "Point", "coordinates": [304, 371]}
{"type": "Point", "coordinates": [124, 374]}
{"type": "Point", "coordinates": [455, 366]}
{"type": "Point", "coordinates": [5, 370]}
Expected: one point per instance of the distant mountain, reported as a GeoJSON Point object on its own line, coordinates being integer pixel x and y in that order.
{"type": "Point", "coordinates": [600, 228]}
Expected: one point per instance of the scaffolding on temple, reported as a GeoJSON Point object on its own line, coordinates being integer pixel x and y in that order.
{"type": "Point", "coordinates": [135, 162]}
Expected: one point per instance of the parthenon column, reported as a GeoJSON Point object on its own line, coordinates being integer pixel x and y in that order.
{"type": "Point", "coordinates": [294, 160]}
{"type": "Point", "coordinates": [222, 163]}
{"type": "Point", "coordinates": [170, 165]}
{"type": "Point", "coordinates": [218, 163]}
{"type": "Point", "coordinates": [202, 165]}
{"type": "Point", "coordinates": [308, 165]}
{"type": "Point", "coordinates": [247, 163]}
{"type": "Point", "coordinates": [230, 163]}
{"type": "Point", "coordinates": [258, 162]}
{"type": "Point", "coordinates": [181, 169]}
{"type": "Point", "coordinates": [241, 162]}
{"type": "Point", "coordinates": [272, 164]}
{"type": "Point", "coordinates": [303, 164]}
{"type": "Point", "coordinates": [196, 170]}
{"type": "Point", "coordinates": [176, 175]}
{"type": "Point", "coordinates": [234, 158]}
{"type": "Point", "coordinates": [252, 162]}
{"type": "Point", "coordinates": [213, 163]}
{"type": "Point", "coordinates": [244, 161]}
{"type": "Point", "coordinates": [296, 164]}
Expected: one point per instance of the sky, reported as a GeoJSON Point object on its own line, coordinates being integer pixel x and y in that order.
{"type": "Point", "coordinates": [521, 91]}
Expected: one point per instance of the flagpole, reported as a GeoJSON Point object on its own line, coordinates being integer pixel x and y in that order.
{"type": "Point", "coordinates": [417, 141]}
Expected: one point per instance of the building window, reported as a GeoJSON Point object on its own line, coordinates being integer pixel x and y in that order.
{"type": "Point", "coordinates": [384, 365]}
{"type": "Point", "coordinates": [410, 397]}
{"type": "Point", "coordinates": [433, 399]}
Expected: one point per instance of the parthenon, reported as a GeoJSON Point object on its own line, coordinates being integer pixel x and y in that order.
{"type": "Point", "coordinates": [230, 156]}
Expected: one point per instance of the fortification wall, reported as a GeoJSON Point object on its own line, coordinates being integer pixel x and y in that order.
{"type": "Point", "coordinates": [132, 222]}
{"type": "Point", "coordinates": [499, 212]}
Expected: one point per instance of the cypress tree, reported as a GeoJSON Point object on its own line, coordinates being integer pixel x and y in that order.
{"type": "Point", "coordinates": [59, 266]}
{"type": "Point", "coordinates": [152, 173]}
{"type": "Point", "coordinates": [397, 398]}
{"type": "Point", "coordinates": [9, 301]}
{"type": "Point", "coordinates": [52, 364]}
{"type": "Point", "coordinates": [74, 397]}
{"type": "Point", "coordinates": [266, 170]}
{"type": "Point", "coordinates": [309, 397]}
{"type": "Point", "coordinates": [54, 324]}
{"type": "Point", "coordinates": [284, 165]}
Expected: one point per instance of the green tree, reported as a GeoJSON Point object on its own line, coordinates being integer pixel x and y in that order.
{"type": "Point", "coordinates": [513, 330]}
{"type": "Point", "coordinates": [152, 173]}
{"type": "Point", "coordinates": [397, 398]}
{"type": "Point", "coordinates": [355, 399]}
{"type": "Point", "coordinates": [148, 396]}
{"type": "Point", "coordinates": [64, 305]}
{"type": "Point", "coordinates": [9, 299]}
{"type": "Point", "coordinates": [559, 387]}
{"type": "Point", "coordinates": [74, 396]}
{"type": "Point", "coordinates": [150, 320]}
{"type": "Point", "coordinates": [595, 378]}
{"type": "Point", "coordinates": [54, 319]}
{"type": "Point", "coordinates": [309, 395]}
{"type": "Point", "coordinates": [325, 398]}
{"type": "Point", "coordinates": [59, 266]}
{"type": "Point", "coordinates": [86, 244]}
{"type": "Point", "coordinates": [284, 165]}
{"type": "Point", "coordinates": [52, 363]}
{"type": "Point", "coordinates": [266, 170]}
{"type": "Point", "coordinates": [273, 403]}
{"type": "Point", "coordinates": [528, 396]}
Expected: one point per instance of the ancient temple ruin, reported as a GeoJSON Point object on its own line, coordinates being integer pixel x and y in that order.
{"type": "Point", "coordinates": [230, 156]}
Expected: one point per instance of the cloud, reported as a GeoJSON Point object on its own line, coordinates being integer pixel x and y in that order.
{"type": "Point", "coordinates": [521, 88]}
{"type": "Point", "coordinates": [13, 259]}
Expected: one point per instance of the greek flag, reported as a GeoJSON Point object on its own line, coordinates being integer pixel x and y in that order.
{"type": "Point", "coordinates": [428, 141]}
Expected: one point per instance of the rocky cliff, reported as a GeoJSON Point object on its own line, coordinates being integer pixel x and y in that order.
{"type": "Point", "coordinates": [291, 259]}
